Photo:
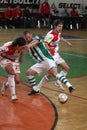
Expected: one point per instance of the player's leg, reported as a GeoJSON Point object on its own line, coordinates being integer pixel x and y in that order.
{"type": "Point", "coordinates": [44, 66]}
{"type": "Point", "coordinates": [64, 66]}
{"type": "Point", "coordinates": [64, 71]}
{"type": "Point", "coordinates": [62, 78]}
{"type": "Point", "coordinates": [11, 82]}
{"type": "Point", "coordinates": [17, 78]}
{"type": "Point", "coordinates": [31, 72]}
{"type": "Point", "coordinates": [46, 78]}
{"type": "Point", "coordinates": [52, 72]}
{"type": "Point", "coordinates": [65, 81]}
{"type": "Point", "coordinates": [43, 81]}
{"type": "Point", "coordinates": [9, 68]}
{"type": "Point", "coordinates": [4, 87]}
{"type": "Point", "coordinates": [31, 78]}
{"type": "Point", "coordinates": [39, 68]}
{"type": "Point", "coordinates": [16, 68]}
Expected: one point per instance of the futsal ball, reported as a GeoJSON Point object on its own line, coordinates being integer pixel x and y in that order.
{"type": "Point", "coordinates": [62, 97]}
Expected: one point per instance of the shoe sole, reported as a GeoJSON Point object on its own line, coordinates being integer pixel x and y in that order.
{"type": "Point", "coordinates": [13, 100]}
{"type": "Point", "coordinates": [33, 93]}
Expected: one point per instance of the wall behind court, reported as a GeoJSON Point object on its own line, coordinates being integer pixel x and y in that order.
{"type": "Point", "coordinates": [60, 4]}
{"type": "Point", "coordinates": [35, 4]}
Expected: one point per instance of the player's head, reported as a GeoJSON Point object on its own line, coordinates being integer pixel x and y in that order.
{"type": "Point", "coordinates": [19, 43]}
{"type": "Point", "coordinates": [27, 36]}
{"type": "Point", "coordinates": [58, 25]}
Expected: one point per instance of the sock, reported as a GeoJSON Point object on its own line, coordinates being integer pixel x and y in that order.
{"type": "Point", "coordinates": [41, 83]}
{"type": "Point", "coordinates": [31, 81]}
{"type": "Point", "coordinates": [11, 82]}
{"type": "Point", "coordinates": [63, 73]}
{"type": "Point", "coordinates": [64, 80]}
{"type": "Point", "coordinates": [6, 84]}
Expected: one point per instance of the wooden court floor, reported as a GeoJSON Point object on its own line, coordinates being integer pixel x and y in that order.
{"type": "Point", "coordinates": [73, 114]}
{"type": "Point", "coordinates": [44, 112]}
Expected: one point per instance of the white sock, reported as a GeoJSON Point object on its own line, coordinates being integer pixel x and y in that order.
{"type": "Point", "coordinates": [63, 73]}
{"type": "Point", "coordinates": [41, 83]}
{"type": "Point", "coordinates": [11, 82]}
{"type": "Point", "coordinates": [6, 84]}
{"type": "Point", "coordinates": [63, 79]}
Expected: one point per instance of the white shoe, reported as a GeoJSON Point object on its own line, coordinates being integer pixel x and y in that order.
{"type": "Point", "coordinates": [14, 97]}
{"type": "Point", "coordinates": [59, 85]}
{"type": "Point", "coordinates": [4, 87]}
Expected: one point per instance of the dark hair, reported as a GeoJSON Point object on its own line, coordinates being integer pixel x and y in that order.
{"type": "Point", "coordinates": [20, 41]}
{"type": "Point", "coordinates": [85, 7]}
{"type": "Point", "coordinates": [57, 21]}
{"type": "Point", "coordinates": [25, 32]}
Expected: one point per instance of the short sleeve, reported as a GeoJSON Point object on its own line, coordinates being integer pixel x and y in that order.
{"type": "Point", "coordinates": [48, 38]}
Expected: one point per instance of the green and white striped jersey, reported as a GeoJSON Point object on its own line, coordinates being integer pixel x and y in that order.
{"type": "Point", "coordinates": [39, 52]}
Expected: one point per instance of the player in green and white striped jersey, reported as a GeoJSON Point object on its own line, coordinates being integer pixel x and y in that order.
{"type": "Point", "coordinates": [39, 52]}
{"type": "Point", "coordinates": [45, 62]}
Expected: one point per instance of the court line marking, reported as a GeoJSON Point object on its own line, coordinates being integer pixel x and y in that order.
{"type": "Point", "coordinates": [77, 55]}
{"type": "Point", "coordinates": [76, 39]}
{"type": "Point", "coordinates": [79, 97]}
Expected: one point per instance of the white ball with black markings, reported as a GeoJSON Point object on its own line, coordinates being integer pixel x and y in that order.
{"type": "Point", "coordinates": [62, 97]}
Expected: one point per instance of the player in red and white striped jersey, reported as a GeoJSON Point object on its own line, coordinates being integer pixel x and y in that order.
{"type": "Point", "coordinates": [10, 58]}
{"type": "Point", "coordinates": [52, 40]}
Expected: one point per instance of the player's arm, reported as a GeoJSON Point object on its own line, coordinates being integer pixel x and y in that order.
{"type": "Point", "coordinates": [32, 43]}
{"type": "Point", "coordinates": [65, 41]}
{"type": "Point", "coordinates": [47, 40]}
{"type": "Point", "coordinates": [47, 46]}
{"type": "Point", "coordinates": [35, 40]}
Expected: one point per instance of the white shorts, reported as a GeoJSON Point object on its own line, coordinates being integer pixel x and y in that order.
{"type": "Point", "coordinates": [5, 62]}
{"type": "Point", "coordinates": [43, 66]}
{"type": "Point", "coordinates": [58, 59]}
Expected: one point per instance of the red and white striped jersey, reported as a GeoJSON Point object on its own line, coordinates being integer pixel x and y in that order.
{"type": "Point", "coordinates": [53, 39]}
{"type": "Point", "coordinates": [9, 52]}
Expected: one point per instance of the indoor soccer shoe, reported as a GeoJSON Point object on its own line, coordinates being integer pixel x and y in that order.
{"type": "Point", "coordinates": [59, 85]}
{"type": "Point", "coordinates": [3, 89]}
{"type": "Point", "coordinates": [33, 92]}
{"type": "Point", "coordinates": [71, 89]}
{"type": "Point", "coordinates": [14, 97]}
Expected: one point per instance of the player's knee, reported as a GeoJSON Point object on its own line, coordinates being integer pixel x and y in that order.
{"type": "Point", "coordinates": [29, 72]}
{"type": "Point", "coordinates": [67, 69]}
{"type": "Point", "coordinates": [9, 70]}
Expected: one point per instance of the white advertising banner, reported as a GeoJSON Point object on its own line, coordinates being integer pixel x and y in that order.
{"type": "Point", "coordinates": [69, 4]}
